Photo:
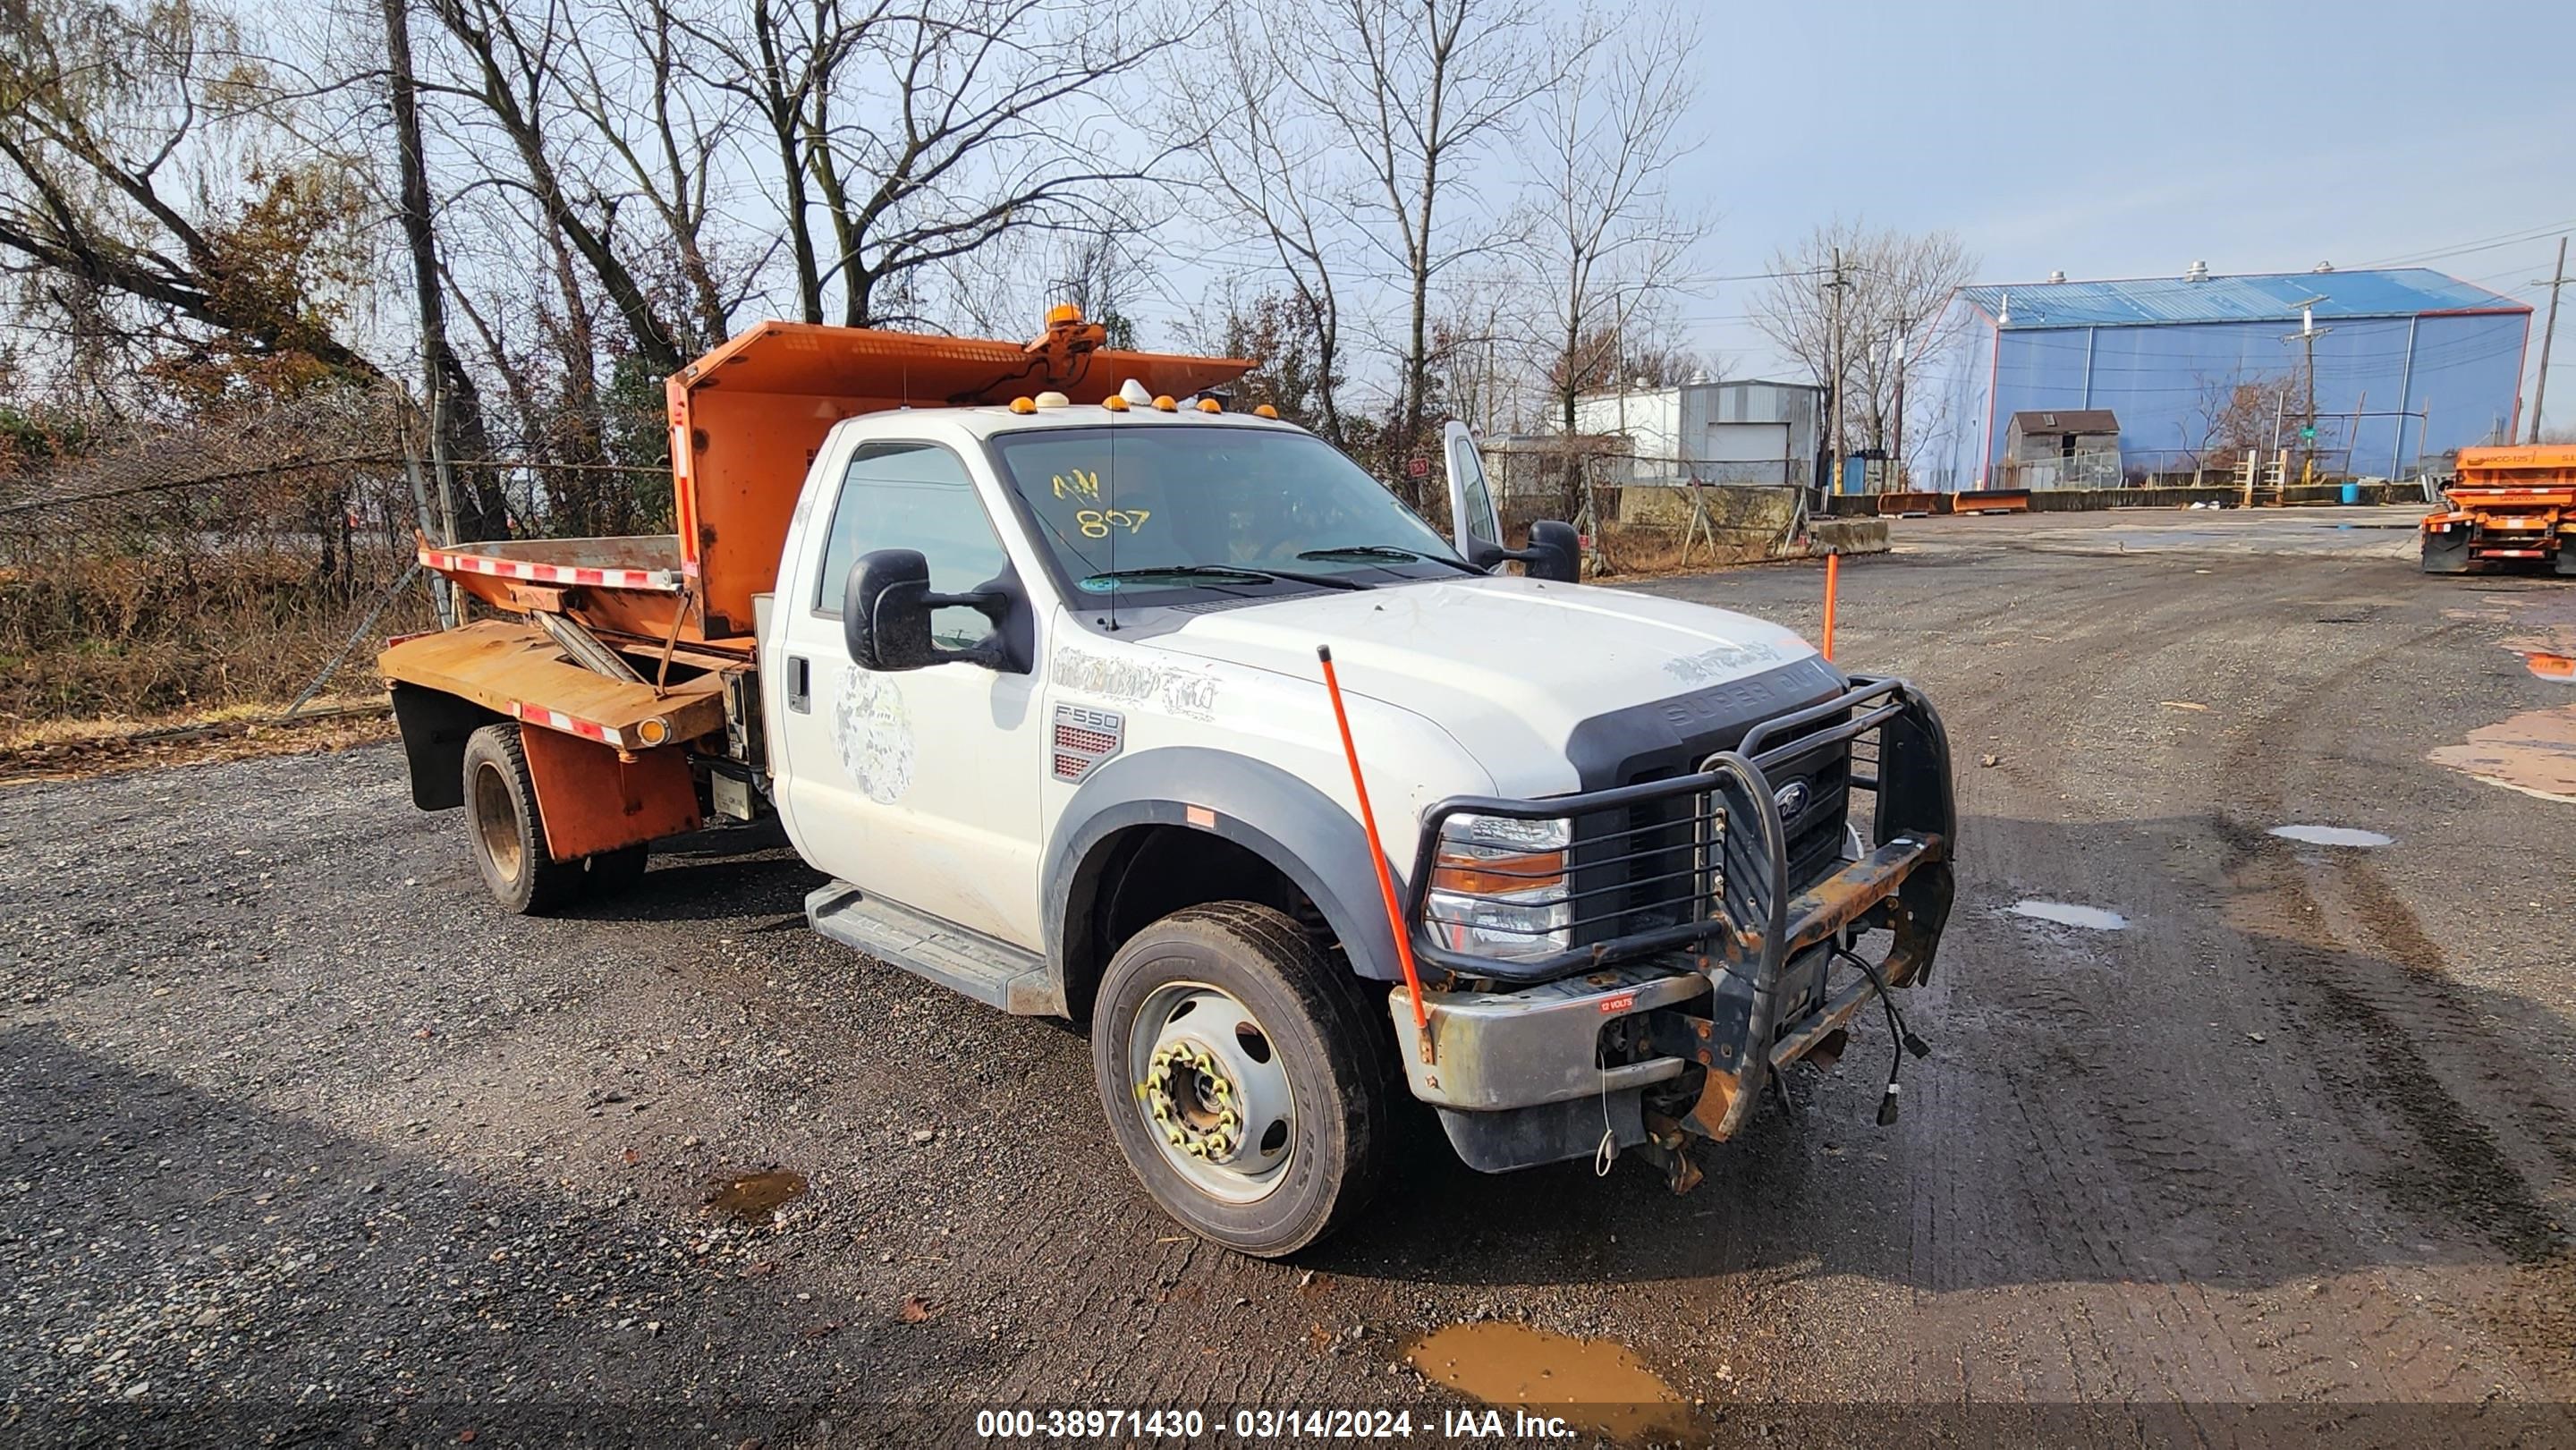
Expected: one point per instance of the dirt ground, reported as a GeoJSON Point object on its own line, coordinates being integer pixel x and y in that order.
{"type": "Point", "coordinates": [296, 1129]}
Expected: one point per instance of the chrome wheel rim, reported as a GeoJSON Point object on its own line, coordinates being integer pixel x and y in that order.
{"type": "Point", "coordinates": [1213, 1095]}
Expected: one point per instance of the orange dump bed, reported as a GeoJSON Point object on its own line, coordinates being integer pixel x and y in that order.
{"type": "Point", "coordinates": [747, 418]}
{"type": "Point", "coordinates": [746, 421]}
{"type": "Point", "coordinates": [2537, 481]}
{"type": "Point", "coordinates": [2535, 466]}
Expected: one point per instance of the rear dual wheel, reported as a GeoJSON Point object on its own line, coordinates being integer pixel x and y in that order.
{"type": "Point", "coordinates": [509, 835]}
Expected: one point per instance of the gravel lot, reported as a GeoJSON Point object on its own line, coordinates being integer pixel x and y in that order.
{"type": "Point", "coordinates": [295, 1127]}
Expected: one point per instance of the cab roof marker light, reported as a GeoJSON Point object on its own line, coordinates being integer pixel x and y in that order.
{"type": "Point", "coordinates": [1265, 411]}
{"type": "Point", "coordinates": [1024, 405]}
{"type": "Point", "coordinates": [1114, 403]}
{"type": "Point", "coordinates": [1053, 399]}
{"type": "Point", "coordinates": [1210, 405]}
{"type": "Point", "coordinates": [1166, 404]}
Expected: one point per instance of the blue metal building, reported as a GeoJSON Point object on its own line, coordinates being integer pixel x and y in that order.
{"type": "Point", "coordinates": [2409, 363]}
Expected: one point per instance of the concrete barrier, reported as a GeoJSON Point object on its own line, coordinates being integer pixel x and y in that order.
{"type": "Point", "coordinates": [1848, 536]}
{"type": "Point", "coordinates": [2081, 500]}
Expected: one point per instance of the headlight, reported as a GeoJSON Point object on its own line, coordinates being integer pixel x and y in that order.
{"type": "Point", "coordinates": [1499, 887]}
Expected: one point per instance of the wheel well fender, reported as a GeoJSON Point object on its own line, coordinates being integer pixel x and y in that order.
{"type": "Point", "coordinates": [1286, 824]}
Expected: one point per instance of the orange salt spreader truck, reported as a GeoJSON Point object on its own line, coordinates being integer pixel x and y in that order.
{"type": "Point", "coordinates": [2513, 505]}
{"type": "Point", "coordinates": [1063, 673]}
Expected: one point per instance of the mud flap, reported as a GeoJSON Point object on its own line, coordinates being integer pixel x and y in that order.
{"type": "Point", "coordinates": [592, 801]}
{"type": "Point", "coordinates": [2446, 551]}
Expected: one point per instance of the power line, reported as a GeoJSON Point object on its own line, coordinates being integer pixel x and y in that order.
{"type": "Point", "coordinates": [2481, 244]}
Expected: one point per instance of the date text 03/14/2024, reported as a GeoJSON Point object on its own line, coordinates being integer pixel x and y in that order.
{"type": "Point", "coordinates": [1257, 1425]}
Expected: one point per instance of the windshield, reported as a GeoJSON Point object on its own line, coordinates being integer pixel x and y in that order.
{"type": "Point", "coordinates": [1230, 508]}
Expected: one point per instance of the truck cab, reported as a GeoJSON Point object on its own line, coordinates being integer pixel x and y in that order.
{"type": "Point", "coordinates": [1039, 681]}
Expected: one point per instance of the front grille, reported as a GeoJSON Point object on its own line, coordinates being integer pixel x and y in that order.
{"type": "Point", "coordinates": [1675, 853]}
{"type": "Point", "coordinates": [1653, 847]}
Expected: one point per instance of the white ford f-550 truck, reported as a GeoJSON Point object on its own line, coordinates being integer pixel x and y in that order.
{"type": "Point", "coordinates": [1020, 642]}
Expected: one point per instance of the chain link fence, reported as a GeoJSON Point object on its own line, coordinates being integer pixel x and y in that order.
{"type": "Point", "coordinates": [2090, 468]}
{"type": "Point", "coordinates": [192, 566]}
{"type": "Point", "coordinates": [1641, 514]}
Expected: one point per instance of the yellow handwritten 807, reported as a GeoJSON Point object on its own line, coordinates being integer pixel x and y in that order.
{"type": "Point", "coordinates": [1096, 523]}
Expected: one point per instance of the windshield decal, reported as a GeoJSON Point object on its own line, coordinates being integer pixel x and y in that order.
{"type": "Point", "coordinates": [1180, 689]}
{"type": "Point", "coordinates": [1096, 523]}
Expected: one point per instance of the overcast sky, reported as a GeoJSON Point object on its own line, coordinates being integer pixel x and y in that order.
{"type": "Point", "coordinates": [2122, 140]}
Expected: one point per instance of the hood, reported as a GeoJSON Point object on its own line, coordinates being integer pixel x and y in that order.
{"type": "Point", "coordinates": [1508, 666]}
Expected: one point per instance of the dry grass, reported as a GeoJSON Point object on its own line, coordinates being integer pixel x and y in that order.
{"type": "Point", "coordinates": [129, 641]}
{"type": "Point", "coordinates": [73, 749]}
{"type": "Point", "coordinates": [1643, 553]}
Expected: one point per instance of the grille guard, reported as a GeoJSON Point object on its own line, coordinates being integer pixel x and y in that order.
{"type": "Point", "coordinates": [1747, 922]}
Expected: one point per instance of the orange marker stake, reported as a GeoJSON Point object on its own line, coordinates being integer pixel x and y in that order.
{"type": "Point", "coordinates": [1833, 585]}
{"type": "Point", "coordinates": [1377, 853]}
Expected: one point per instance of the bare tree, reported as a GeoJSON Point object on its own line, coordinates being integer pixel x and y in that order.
{"type": "Point", "coordinates": [924, 133]}
{"type": "Point", "coordinates": [1281, 175]}
{"type": "Point", "coordinates": [1607, 233]}
{"type": "Point", "coordinates": [2241, 415]}
{"type": "Point", "coordinates": [1894, 290]}
{"type": "Point", "coordinates": [1416, 92]}
{"type": "Point", "coordinates": [455, 403]}
{"type": "Point", "coordinates": [152, 202]}
{"type": "Point", "coordinates": [515, 73]}
{"type": "Point", "coordinates": [634, 72]}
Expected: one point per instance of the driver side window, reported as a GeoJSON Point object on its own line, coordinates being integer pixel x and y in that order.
{"type": "Point", "coordinates": [913, 496]}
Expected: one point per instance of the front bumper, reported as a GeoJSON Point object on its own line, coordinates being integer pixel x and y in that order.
{"type": "Point", "coordinates": [1677, 1023]}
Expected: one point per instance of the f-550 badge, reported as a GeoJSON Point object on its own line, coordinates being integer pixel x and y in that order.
{"type": "Point", "coordinates": [1084, 737]}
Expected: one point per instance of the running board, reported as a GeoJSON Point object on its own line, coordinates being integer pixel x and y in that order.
{"type": "Point", "coordinates": [994, 973]}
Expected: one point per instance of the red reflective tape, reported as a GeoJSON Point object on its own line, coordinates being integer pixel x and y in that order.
{"type": "Point", "coordinates": [558, 720]}
{"type": "Point", "coordinates": [589, 576]}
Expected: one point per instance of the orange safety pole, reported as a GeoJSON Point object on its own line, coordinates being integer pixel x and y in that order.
{"type": "Point", "coordinates": [1377, 853]}
{"type": "Point", "coordinates": [1833, 585]}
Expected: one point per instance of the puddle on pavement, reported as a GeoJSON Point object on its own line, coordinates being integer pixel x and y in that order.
{"type": "Point", "coordinates": [2547, 666]}
{"type": "Point", "coordinates": [755, 1196]}
{"type": "Point", "coordinates": [1595, 1384]}
{"type": "Point", "coordinates": [2091, 918]}
{"type": "Point", "coordinates": [2533, 752]}
{"type": "Point", "coordinates": [2333, 836]}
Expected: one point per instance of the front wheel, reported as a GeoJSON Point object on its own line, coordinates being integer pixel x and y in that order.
{"type": "Point", "coordinates": [1244, 1077]}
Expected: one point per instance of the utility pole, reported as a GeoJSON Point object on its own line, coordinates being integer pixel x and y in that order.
{"type": "Point", "coordinates": [1896, 443]}
{"type": "Point", "coordinates": [1834, 388]}
{"type": "Point", "coordinates": [2548, 334]}
{"type": "Point", "coordinates": [2308, 333]}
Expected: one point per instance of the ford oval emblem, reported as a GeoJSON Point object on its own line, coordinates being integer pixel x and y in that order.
{"type": "Point", "coordinates": [1791, 799]}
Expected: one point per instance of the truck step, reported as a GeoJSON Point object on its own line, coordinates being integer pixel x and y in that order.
{"type": "Point", "coordinates": [992, 972]}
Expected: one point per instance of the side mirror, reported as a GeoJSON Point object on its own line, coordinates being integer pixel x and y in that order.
{"type": "Point", "coordinates": [885, 611]}
{"type": "Point", "coordinates": [1559, 549]}
{"type": "Point", "coordinates": [885, 615]}
{"type": "Point", "coordinates": [1555, 553]}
